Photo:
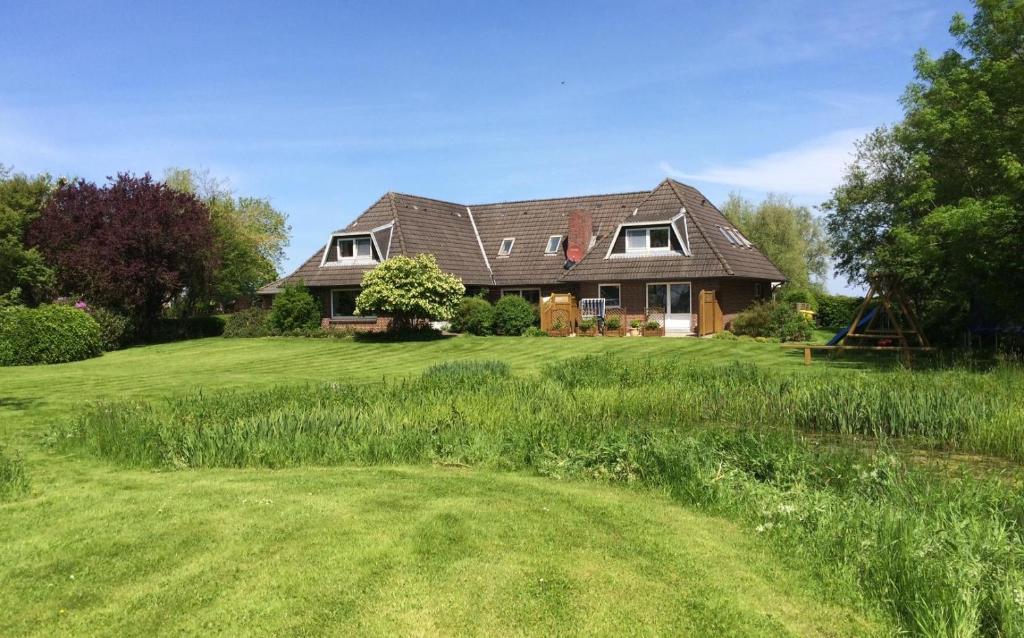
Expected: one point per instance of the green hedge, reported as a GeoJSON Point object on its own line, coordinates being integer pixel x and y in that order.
{"type": "Point", "coordinates": [251, 322]}
{"type": "Point", "coordinates": [836, 311]}
{"type": "Point", "coordinates": [47, 334]}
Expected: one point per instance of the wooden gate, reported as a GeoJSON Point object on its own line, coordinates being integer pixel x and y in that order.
{"type": "Point", "coordinates": [559, 314]}
{"type": "Point", "coordinates": [709, 320]}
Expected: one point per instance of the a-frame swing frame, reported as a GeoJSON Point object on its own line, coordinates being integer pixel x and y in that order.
{"type": "Point", "coordinates": [903, 329]}
{"type": "Point", "coordinates": [900, 331]}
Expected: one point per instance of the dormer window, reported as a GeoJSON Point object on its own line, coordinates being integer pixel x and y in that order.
{"type": "Point", "coordinates": [554, 242]}
{"type": "Point", "coordinates": [653, 239]}
{"type": "Point", "coordinates": [355, 248]}
{"type": "Point", "coordinates": [506, 246]}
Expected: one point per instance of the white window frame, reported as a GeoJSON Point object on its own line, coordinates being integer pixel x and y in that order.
{"type": "Point", "coordinates": [606, 304]}
{"type": "Point", "coordinates": [355, 254]}
{"type": "Point", "coordinates": [351, 261]}
{"type": "Point", "coordinates": [518, 292]}
{"type": "Point", "coordinates": [558, 243]}
{"type": "Point", "coordinates": [335, 315]}
{"type": "Point", "coordinates": [668, 297]}
{"type": "Point", "coordinates": [646, 230]}
{"type": "Point", "coordinates": [501, 247]}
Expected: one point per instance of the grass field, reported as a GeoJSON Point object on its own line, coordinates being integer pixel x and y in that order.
{"type": "Point", "coordinates": [436, 548]}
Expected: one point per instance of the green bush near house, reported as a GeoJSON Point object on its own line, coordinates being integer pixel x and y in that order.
{"type": "Point", "coordinates": [251, 322]}
{"type": "Point", "coordinates": [588, 324]}
{"type": "Point", "coordinates": [612, 323]}
{"type": "Point", "coordinates": [47, 334]}
{"type": "Point", "coordinates": [772, 319]}
{"type": "Point", "coordinates": [294, 309]}
{"type": "Point", "coordinates": [474, 315]}
{"type": "Point", "coordinates": [513, 315]}
{"type": "Point", "coordinates": [534, 331]}
{"type": "Point", "coordinates": [410, 290]}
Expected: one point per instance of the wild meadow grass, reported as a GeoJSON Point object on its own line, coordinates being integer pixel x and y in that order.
{"type": "Point", "coordinates": [941, 554]}
{"type": "Point", "coordinates": [13, 480]}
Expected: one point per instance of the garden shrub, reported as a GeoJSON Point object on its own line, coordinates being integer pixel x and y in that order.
{"type": "Point", "coordinates": [295, 308]}
{"type": "Point", "coordinates": [588, 324]}
{"type": "Point", "coordinates": [115, 328]}
{"type": "Point", "coordinates": [47, 334]}
{"type": "Point", "coordinates": [13, 481]}
{"type": "Point", "coordinates": [612, 323]}
{"type": "Point", "coordinates": [410, 290]}
{"type": "Point", "coordinates": [474, 315]}
{"type": "Point", "coordinates": [837, 311]}
{"type": "Point", "coordinates": [534, 331]}
{"type": "Point", "coordinates": [772, 319]}
{"type": "Point", "coordinates": [513, 315]}
{"type": "Point", "coordinates": [251, 322]}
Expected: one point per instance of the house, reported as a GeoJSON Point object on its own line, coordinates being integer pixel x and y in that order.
{"type": "Point", "coordinates": [666, 252]}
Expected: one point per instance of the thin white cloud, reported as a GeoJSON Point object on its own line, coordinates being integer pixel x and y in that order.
{"type": "Point", "coordinates": [812, 168]}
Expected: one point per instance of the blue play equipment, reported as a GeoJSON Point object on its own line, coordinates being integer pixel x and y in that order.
{"type": "Point", "coordinates": [865, 320]}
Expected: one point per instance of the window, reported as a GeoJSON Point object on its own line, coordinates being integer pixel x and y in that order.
{"type": "Point", "coordinates": [727, 235]}
{"type": "Point", "coordinates": [611, 293]}
{"type": "Point", "coordinates": [636, 239]}
{"type": "Point", "coordinates": [355, 248]}
{"type": "Point", "coordinates": [554, 242]}
{"type": "Point", "coordinates": [647, 239]}
{"type": "Point", "coordinates": [506, 246]}
{"type": "Point", "coordinates": [343, 302]}
{"type": "Point", "coordinates": [758, 291]}
{"type": "Point", "coordinates": [530, 294]}
{"type": "Point", "coordinates": [657, 238]}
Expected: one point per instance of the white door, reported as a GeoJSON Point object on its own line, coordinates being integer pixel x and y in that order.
{"type": "Point", "coordinates": [673, 299]}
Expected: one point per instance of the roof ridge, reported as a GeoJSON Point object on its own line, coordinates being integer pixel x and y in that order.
{"type": "Point", "coordinates": [398, 224]}
{"type": "Point", "coordinates": [549, 199]}
{"type": "Point", "coordinates": [700, 228]}
{"type": "Point", "coordinates": [429, 199]}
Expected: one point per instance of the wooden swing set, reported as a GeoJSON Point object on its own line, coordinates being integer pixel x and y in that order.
{"type": "Point", "coordinates": [884, 322]}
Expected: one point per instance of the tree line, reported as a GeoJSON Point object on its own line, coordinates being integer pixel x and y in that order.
{"type": "Point", "coordinates": [145, 249]}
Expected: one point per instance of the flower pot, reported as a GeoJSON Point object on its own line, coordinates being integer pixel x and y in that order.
{"type": "Point", "coordinates": [634, 332]}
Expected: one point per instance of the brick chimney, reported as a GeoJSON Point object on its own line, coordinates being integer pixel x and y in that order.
{"type": "Point", "coordinates": [581, 229]}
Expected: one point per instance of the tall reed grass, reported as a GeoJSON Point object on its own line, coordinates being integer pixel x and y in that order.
{"type": "Point", "coordinates": [13, 480]}
{"type": "Point", "coordinates": [942, 554]}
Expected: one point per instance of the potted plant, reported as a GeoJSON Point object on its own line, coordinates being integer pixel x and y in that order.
{"type": "Point", "coordinates": [558, 327]}
{"type": "Point", "coordinates": [611, 326]}
{"type": "Point", "coordinates": [634, 327]}
{"type": "Point", "coordinates": [652, 328]}
{"type": "Point", "coordinates": [587, 326]}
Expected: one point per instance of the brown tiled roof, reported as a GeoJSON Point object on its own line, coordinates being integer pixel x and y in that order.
{"type": "Point", "coordinates": [532, 222]}
{"type": "Point", "coordinates": [455, 234]}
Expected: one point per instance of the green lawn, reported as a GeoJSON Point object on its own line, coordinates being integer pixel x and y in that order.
{"type": "Point", "coordinates": [97, 550]}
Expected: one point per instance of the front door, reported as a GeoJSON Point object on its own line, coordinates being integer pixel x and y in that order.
{"type": "Point", "coordinates": [672, 298]}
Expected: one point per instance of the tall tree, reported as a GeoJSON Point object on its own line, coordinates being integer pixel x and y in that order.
{"type": "Point", "coordinates": [132, 245]}
{"type": "Point", "coordinates": [788, 234]}
{"type": "Point", "coordinates": [938, 199]}
{"type": "Point", "coordinates": [250, 235]}
{"type": "Point", "coordinates": [24, 274]}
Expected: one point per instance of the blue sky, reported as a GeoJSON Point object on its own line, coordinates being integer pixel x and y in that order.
{"type": "Point", "coordinates": [324, 107]}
